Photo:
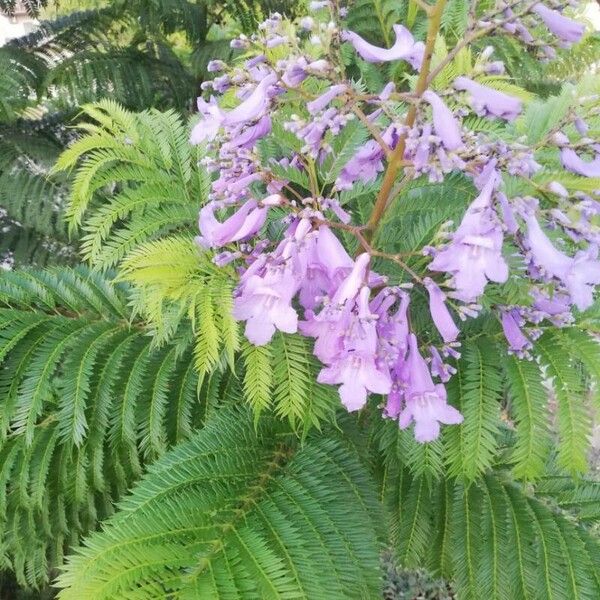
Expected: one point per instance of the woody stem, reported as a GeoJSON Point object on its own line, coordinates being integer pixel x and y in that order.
{"type": "Point", "coordinates": [396, 158]}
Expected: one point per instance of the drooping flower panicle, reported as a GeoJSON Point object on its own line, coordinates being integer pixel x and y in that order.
{"type": "Point", "coordinates": [304, 148]}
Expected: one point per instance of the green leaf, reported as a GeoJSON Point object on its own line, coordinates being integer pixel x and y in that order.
{"type": "Point", "coordinates": [238, 511]}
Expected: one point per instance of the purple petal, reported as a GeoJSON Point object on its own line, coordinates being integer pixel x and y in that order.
{"type": "Point", "coordinates": [318, 104]}
{"type": "Point", "coordinates": [445, 124]}
{"type": "Point", "coordinates": [566, 29]}
{"type": "Point", "coordinates": [440, 313]}
{"type": "Point", "coordinates": [404, 48]}
{"type": "Point", "coordinates": [486, 101]}
{"type": "Point", "coordinates": [574, 163]}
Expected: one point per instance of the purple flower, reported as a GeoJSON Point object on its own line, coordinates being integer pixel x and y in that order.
{"type": "Point", "coordinates": [507, 214]}
{"type": "Point", "coordinates": [216, 65]}
{"type": "Point", "coordinates": [404, 48]}
{"type": "Point", "coordinates": [439, 312]}
{"type": "Point", "coordinates": [252, 133]}
{"type": "Point", "coordinates": [574, 163]}
{"type": "Point", "coordinates": [367, 163]}
{"type": "Point", "coordinates": [425, 402]}
{"type": "Point", "coordinates": [486, 101]}
{"type": "Point", "coordinates": [578, 274]}
{"type": "Point", "coordinates": [328, 264]}
{"type": "Point", "coordinates": [566, 29]}
{"type": "Point", "coordinates": [244, 223]}
{"type": "Point", "coordinates": [265, 304]}
{"type": "Point", "coordinates": [474, 255]}
{"type": "Point", "coordinates": [355, 367]}
{"type": "Point", "coordinates": [517, 342]}
{"type": "Point", "coordinates": [214, 118]}
{"type": "Point", "coordinates": [268, 286]}
{"type": "Point", "coordinates": [438, 367]}
{"type": "Point", "coordinates": [295, 73]}
{"type": "Point", "coordinates": [556, 309]}
{"type": "Point", "coordinates": [445, 124]}
{"type": "Point", "coordinates": [332, 324]}
{"type": "Point", "coordinates": [318, 104]}
{"type": "Point", "coordinates": [254, 105]}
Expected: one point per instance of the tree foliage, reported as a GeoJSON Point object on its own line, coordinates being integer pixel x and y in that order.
{"type": "Point", "coordinates": [142, 436]}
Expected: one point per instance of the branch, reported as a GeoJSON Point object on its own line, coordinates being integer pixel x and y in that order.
{"type": "Point", "coordinates": [397, 156]}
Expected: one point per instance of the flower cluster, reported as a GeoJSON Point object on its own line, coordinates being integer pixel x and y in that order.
{"type": "Point", "coordinates": [278, 205]}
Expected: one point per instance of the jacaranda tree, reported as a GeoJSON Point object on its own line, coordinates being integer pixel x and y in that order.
{"type": "Point", "coordinates": [383, 335]}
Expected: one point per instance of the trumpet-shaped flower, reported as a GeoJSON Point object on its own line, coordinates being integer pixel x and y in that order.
{"type": "Point", "coordinates": [214, 118]}
{"type": "Point", "coordinates": [425, 402]}
{"type": "Point", "coordinates": [574, 163]}
{"type": "Point", "coordinates": [486, 101]}
{"type": "Point", "coordinates": [578, 274]}
{"type": "Point", "coordinates": [439, 312]}
{"type": "Point", "coordinates": [445, 124]}
{"type": "Point", "coordinates": [244, 223]}
{"type": "Point", "coordinates": [404, 48]}
{"type": "Point", "coordinates": [474, 255]}
{"type": "Point", "coordinates": [565, 29]}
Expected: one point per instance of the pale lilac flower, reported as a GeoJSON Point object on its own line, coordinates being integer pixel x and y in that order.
{"type": "Point", "coordinates": [268, 286]}
{"type": "Point", "coordinates": [574, 163]}
{"type": "Point", "coordinates": [439, 312]}
{"type": "Point", "coordinates": [355, 368]}
{"type": "Point", "coordinates": [507, 214]}
{"type": "Point", "coordinates": [578, 274]}
{"type": "Point", "coordinates": [474, 255]}
{"type": "Point", "coordinates": [214, 118]}
{"type": "Point", "coordinates": [265, 304]}
{"type": "Point", "coordinates": [318, 104]}
{"type": "Point", "coordinates": [387, 91]}
{"type": "Point", "coordinates": [393, 404]}
{"type": "Point", "coordinates": [559, 189]}
{"type": "Point", "coordinates": [565, 29]}
{"type": "Point", "coordinates": [425, 402]}
{"type": "Point", "coordinates": [404, 48]}
{"type": "Point", "coordinates": [275, 41]}
{"type": "Point", "coordinates": [255, 104]}
{"type": "Point", "coordinates": [332, 324]}
{"type": "Point", "coordinates": [252, 133]}
{"type": "Point", "coordinates": [244, 223]}
{"type": "Point", "coordinates": [581, 126]}
{"type": "Point", "coordinates": [517, 342]}
{"type": "Point", "coordinates": [328, 264]}
{"type": "Point", "coordinates": [367, 163]}
{"type": "Point", "coordinates": [307, 23]}
{"type": "Point", "coordinates": [445, 124]}
{"type": "Point", "coordinates": [494, 68]}
{"type": "Point", "coordinates": [486, 101]}
{"type": "Point", "coordinates": [438, 367]}
{"type": "Point", "coordinates": [216, 65]}
{"type": "Point", "coordinates": [295, 73]}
